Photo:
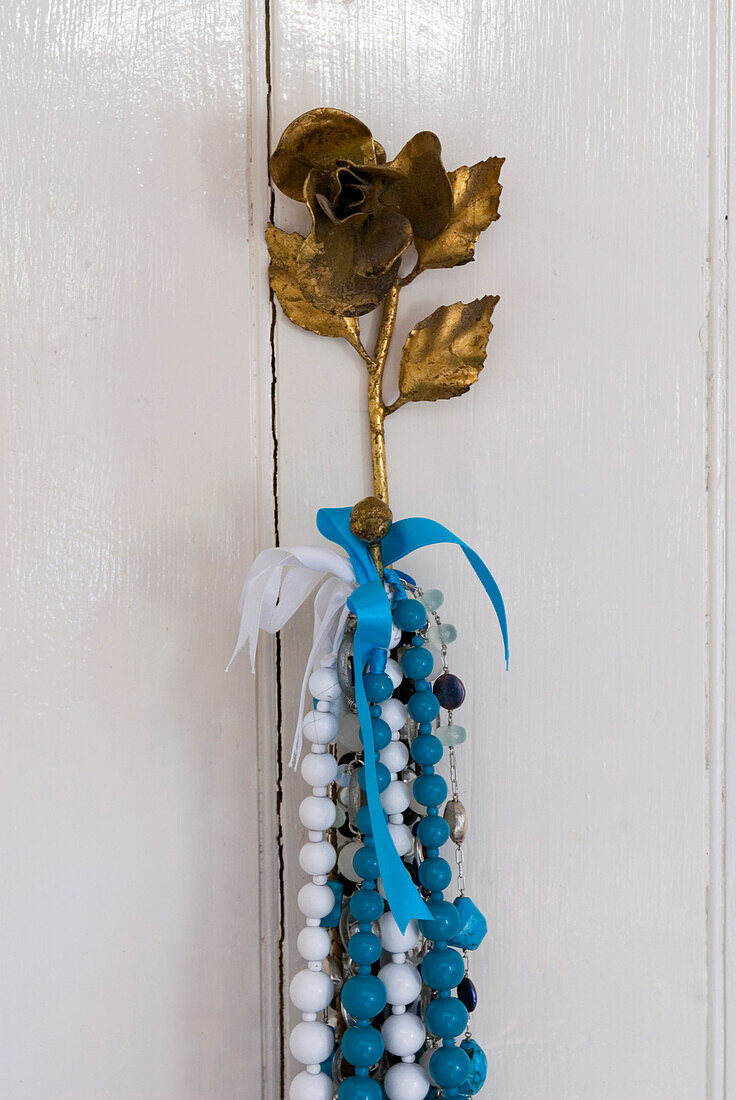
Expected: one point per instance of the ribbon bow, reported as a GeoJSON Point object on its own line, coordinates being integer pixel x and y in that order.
{"type": "Point", "coordinates": [270, 598]}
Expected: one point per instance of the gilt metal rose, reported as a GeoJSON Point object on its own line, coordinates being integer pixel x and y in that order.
{"type": "Point", "coordinates": [365, 213]}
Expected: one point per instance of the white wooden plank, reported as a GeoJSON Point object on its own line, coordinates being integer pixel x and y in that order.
{"type": "Point", "coordinates": [129, 784]}
{"type": "Point", "coordinates": [577, 467]}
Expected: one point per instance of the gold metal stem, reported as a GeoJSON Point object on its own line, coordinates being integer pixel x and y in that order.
{"type": "Point", "coordinates": [376, 408]}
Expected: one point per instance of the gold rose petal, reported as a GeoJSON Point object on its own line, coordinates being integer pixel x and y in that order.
{"type": "Point", "coordinates": [444, 354]}
{"type": "Point", "coordinates": [476, 192]}
{"type": "Point", "coordinates": [318, 139]}
{"type": "Point", "coordinates": [415, 184]}
{"type": "Point", "coordinates": [349, 267]}
{"type": "Point", "coordinates": [283, 248]}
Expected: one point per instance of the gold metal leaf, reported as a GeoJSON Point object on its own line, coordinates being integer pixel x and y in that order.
{"type": "Point", "coordinates": [476, 193]}
{"type": "Point", "coordinates": [283, 249]}
{"type": "Point", "coordinates": [444, 354]}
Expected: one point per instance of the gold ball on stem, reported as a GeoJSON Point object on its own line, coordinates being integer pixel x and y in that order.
{"type": "Point", "coordinates": [370, 520]}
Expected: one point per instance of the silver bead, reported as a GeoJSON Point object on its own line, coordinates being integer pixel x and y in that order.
{"type": "Point", "coordinates": [344, 663]}
{"type": "Point", "coordinates": [456, 817]}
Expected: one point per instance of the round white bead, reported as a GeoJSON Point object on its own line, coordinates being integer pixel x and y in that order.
{"type": "Point", "coordinates": [395, 756]}
{"type": "Point", "coordinates": [403, 1035]}
{"type": "Point", "coordinates": [395, 636]}
{"type": "Point", "coordinates": [395, 799]}
{"type": "Point", "coordinates": [401, 836]}
{"type": "Point", "coordinates": [313, 944]}
{"type": "Point", "coordinates": [345, 860]}
{"type": "Point", "coordinates": [393, 668]}
{"type": "Point", "coordinates": [317, 858]}
{"type": "Point", "coordinates": [414, 805]}
{"type": "Point", "coordinates": [394, 714]}
{"type": "Point", "coordinates": [311, 990]}
{"type": "Point", "coordinates": [319, 769]}
{"type": "Point", "coordinates": [324, 685]}
{"type": "Point", "coordinates": [317, 814]}
{"type": "Point", "coordinates": [311, 1042]}
{"type": "Point", "coordinates": [315, 901]}
{"type": "Point", "coordinates": [311, 1086]}
{"type": "Point", "coordinates": [395, 940]}
{"type": "Point", "coordinates": [349, 732]}
{"type": "Point", "coordinates": [402, 981]}
{"type": "Point", "coordinates": [437, 667]}
{"type": "Point", "coordinates": [320, 726]}
{"type": "Point", "coordinates": [406, 1081]}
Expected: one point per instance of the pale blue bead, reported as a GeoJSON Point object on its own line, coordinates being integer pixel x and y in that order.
{"type": "Point", "coordinates": [340, 816]}
{"type": "Point", "coordinates": [432, 599]}
{"type": "Point", "coordinates": [451, 735]}
{"type": "Point", "coordinates": [442, 634]}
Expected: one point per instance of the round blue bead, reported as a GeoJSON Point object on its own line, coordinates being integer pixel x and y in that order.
{"type": "Point", "coordinates": [378, 686]}
{"type": "Point", "coordinates": [433, 832]}
{"type": "Point", "coordinates": [381, 733]}
{"type": "Point", "coordinates": [434, 874]}
{"type": "Point", "coordinates": [366, 905]}
{"type": "Point", "coordinates": [382, 774]}
{"type": "Point", "coordinates": [363, 821]}
{"type": "Point", "coordinates": [450, 690]}
{"type": "Point", "coordinates": [448, 1065]}
{"type": "Point", "coordinates": [417, 663]}
{"type": "Point", "coordinates": [430, 790]}
{"type": "Point", "coordinates": [478, 1067]}
{"type": "Point", "coordinates": [365, 863]}
{"type": "Point", "coordinates": [364, 948]}
{"type": "Point", "coordinates": [410, 615]}
{"type": "Point", "coordinates": [442, 968]}
{"type": "Point", "coordinates": [360, 1088]}
{"type": "Point", "coordinates": [426, 749]}
{"type": "Point", "coordinates": [363, 1046]}
{"type": "Point", "coordinates": [424, 706]}
{"type": "Point", "coordinates": [363, 996]}
{"type": "Point", "coordinates": [446, 1017]}
{"type": "Point", "coordinates": [445, 920]}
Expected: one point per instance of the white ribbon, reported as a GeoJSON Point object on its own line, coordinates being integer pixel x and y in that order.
{"type": "Point", "coordinates": [278, 583]}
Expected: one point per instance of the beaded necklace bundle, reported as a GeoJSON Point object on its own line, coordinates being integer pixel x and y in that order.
{"type": "Point", "coordinates": [384, 990]}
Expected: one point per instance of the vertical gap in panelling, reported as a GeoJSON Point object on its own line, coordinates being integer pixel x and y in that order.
{"type": "Point", "coordinates": [716, 459]}
{"type": "Point", "coordinates": [267, 718]}
{"type": "Point", "coordinates": [279, 697]}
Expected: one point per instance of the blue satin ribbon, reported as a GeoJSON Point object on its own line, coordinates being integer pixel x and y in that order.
{"type": "Point", "coordinates": [372, 608]}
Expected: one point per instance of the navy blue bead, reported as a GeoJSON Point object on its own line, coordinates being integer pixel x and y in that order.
{"type": "Point", "coordinates": [448, 1065]}
{"type": "Point", "coordinates": [365, 863]}
{"type": "Point", "coordinates": [434, 874]}
{"type": "Point", "coordinates": [426, 749]}
{"type": "Point", "coordinates": [378, 686]}
{"type": "Point", "coordinates": [430, 790]}
{"type": "Point", "coordinates": [445, 921]}
{"type": "Point", "coordinates": [410, 615]}
{"type": "Point", "coordinates": [449, 690]}
{"type": "Point", "coordinates": [363, 1046]}
{"type": "Point", "coordinates": [442, 968]}
{"type": "Point", "coordinates": [366, 905]}
{"type": "Point", "coordinates": [446, 1017]}
{"type": "Point", "coordinates": [363, 996]}
{"type": "Point", "coordinates": [417, 663]}
{"type": "Point", "coordinates": [433, 832]}
{"type": "Point", "coordinates": [382, 774]}
{"type": "Point", "coordinates": [423, 706]}
{"type": "Point", "coordinates": [467, 994]}
{"type": "Point", "coordinates": [364, 947]}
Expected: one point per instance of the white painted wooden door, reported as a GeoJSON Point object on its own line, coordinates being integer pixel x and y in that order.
{"type": "Point", "coordinates": [163, 422]}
